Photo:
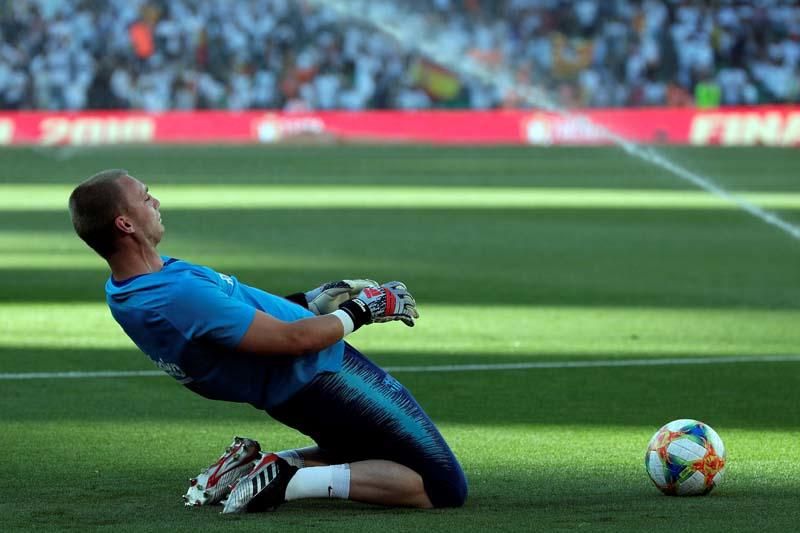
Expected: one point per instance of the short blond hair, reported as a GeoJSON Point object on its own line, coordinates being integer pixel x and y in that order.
{"type": "Point", "coordinates": [93, 206]}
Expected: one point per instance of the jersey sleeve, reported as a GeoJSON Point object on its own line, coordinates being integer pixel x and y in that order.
{"type": "Point", "coordinates": [201, 310]}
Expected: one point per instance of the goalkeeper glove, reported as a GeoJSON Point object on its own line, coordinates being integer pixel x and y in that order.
{"type": "Point", "coordinates": [390, 301]}
{"type": "Point", "coordinates": [327, 298]}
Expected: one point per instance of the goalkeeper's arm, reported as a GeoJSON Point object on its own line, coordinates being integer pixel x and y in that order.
{"type": "Point", "coordinates": [268, 335]}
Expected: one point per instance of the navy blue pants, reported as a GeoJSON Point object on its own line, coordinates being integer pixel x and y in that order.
{"type": "Point", "coordinates": [361, 413]}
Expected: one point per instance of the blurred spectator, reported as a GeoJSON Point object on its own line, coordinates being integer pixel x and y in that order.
{"type": "Point", "coordinates": [288, 54]}
{"type": "Point", "coordinates": [707, 93]}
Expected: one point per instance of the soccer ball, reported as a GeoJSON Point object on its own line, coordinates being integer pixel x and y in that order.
{"type": "Point", "coordinates": [685, 458]}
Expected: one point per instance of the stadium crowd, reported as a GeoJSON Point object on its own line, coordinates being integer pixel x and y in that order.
{"type": "Point", "coordinates": [289, 54]}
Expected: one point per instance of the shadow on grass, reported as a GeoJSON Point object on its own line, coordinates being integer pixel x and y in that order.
{"type": "Point", "coordinates": [734, 167]}
{"type": "Point", "coordinates": [484, 256]}
{"type": "Point", "coordinates": [343, 164]}
{"type": "Point", "coordinates": [746, 395]}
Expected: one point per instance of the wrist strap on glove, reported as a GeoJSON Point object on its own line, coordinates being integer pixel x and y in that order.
{"type": "Point", "coordinates": [358, 311]}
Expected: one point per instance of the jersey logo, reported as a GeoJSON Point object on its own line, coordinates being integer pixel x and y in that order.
{"type": "Point", "coordinates": [174, 370]}
{"type": "Point", "coordinates": [227, 279]}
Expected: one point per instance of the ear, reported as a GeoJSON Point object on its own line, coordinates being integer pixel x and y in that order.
{"type": "Point", "coordinates": [123, 224]}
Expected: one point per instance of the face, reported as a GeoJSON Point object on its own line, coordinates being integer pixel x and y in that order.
{"type": "Point", "coordinates": [141, 216]}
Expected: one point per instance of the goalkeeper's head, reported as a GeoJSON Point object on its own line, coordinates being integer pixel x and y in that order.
{"type": "Point", "coordinates": [111, 208]}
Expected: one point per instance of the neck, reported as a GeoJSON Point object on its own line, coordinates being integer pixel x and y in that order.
{"type": "Point", "coordinates": [127, 263]}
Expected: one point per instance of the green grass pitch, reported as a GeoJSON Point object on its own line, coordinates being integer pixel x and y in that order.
{"type": "Point", "coordinates": [514, 255]}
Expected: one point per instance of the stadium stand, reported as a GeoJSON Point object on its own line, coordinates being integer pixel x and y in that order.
{"type": "Point", "coordinates": [283, 54]}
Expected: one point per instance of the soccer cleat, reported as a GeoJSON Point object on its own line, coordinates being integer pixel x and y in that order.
{"type": "Point", "coordinates": [263, 488]}
{"type": "Point", "coordinates": [214, 483]}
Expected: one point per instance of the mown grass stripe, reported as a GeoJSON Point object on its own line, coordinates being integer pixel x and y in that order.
{"type": "Point", "coordinates": [21, 197]}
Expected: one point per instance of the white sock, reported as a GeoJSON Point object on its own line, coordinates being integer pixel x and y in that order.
{"type": "Point", "coordinates": [320, 482]}
{"type": "Point", "coordinates": [292, 457]}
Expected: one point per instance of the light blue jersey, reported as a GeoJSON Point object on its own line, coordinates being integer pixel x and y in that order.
{"type": "Point", "coordinates": [189, 319]}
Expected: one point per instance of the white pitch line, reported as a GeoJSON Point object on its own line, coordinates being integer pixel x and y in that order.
{"type": "Point", "coordinates": [69, 375]}
{"type": "Point", "coordinates": [614, 363]}
{"type": "Point", "coordinates": [675, 361]}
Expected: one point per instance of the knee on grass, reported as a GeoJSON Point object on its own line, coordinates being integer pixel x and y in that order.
{"type": "Point", "coordinates": [450, 491]}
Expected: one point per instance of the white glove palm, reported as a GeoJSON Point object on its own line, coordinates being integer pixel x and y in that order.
{"type": "Point", "coordinates": [328, 297]}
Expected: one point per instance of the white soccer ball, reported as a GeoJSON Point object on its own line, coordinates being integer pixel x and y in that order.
{"type": "Point", "coordinates": [685, 458]}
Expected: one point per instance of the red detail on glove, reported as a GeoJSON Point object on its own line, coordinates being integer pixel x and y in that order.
{"type": "Point", "coordinates": [390, 302]}
{"type": "Point", "coordinates": [371, 292]}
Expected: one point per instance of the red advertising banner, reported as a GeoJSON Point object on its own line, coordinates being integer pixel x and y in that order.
{"type": "Point", "coordinates": [769, 126]}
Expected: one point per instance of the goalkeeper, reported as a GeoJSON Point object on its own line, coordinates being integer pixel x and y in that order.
{"type": "Point", "coordinates": [227, 341]}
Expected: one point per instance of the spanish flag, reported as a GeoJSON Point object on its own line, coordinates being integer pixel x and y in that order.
{"type": "Point", "coordinates": [438, 82]}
